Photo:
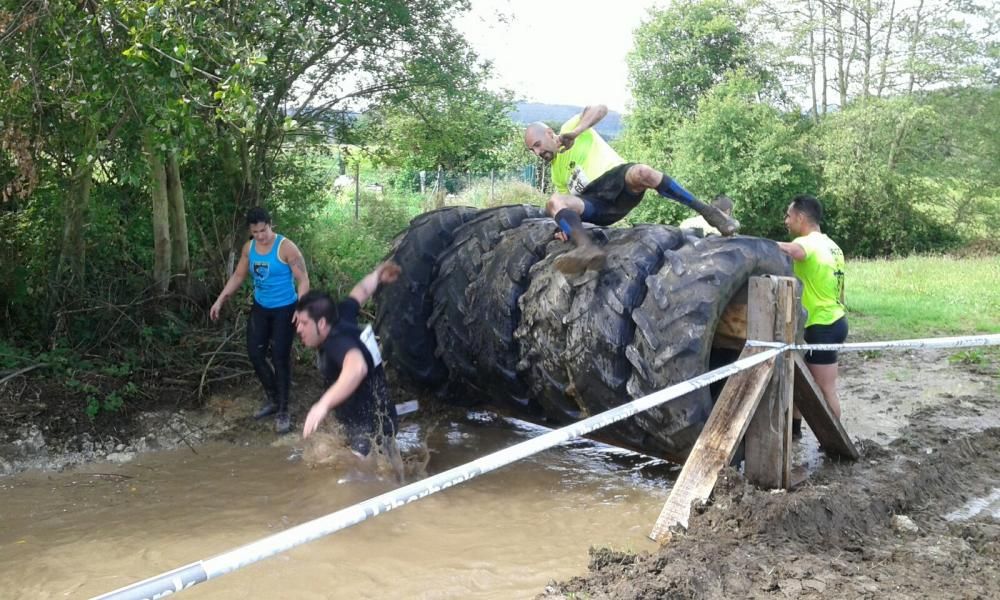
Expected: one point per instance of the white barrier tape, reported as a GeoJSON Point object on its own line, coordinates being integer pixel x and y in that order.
{"type": "Point", "coordinates": [198, 572]}
{"type": "Point", "coordinates": [967, 341]}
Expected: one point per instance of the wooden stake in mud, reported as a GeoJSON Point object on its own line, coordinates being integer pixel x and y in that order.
{"type": "Point", "coordinates": [829, 431]}
{"type": "Point", "coordinates": [772, 308]}
{"type": "Point", "coordinates": [773, 317]}
{"type": "Point", "coordinates": [715, 446]}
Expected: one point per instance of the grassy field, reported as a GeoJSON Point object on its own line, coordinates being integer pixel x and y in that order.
{"type": "Point", "coordinates": [923, 296]}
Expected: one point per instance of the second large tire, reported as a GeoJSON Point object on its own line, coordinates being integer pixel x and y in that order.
{"type": "Point", "coordinates": [675, 326]}
{"type": "Point", "coordinates": [404, 308]}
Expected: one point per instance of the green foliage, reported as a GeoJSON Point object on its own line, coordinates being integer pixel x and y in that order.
{"type": "Point", "coordinates": [682, 52]}
{"type": "Point", "coordinates": [503, 193]}
{"type": "Point", "coordinates": [465, 128]}
{"type": "Point", "coordinates": [866, 156]}
{"type": "Point", "coordinates": [679, 54]}
{"type": "Point", "coordinates": [741, 147]}
{"type": "Point", "coordinates": [340, 251]}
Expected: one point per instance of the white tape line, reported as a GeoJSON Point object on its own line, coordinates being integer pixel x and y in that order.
{"type": "Point", "coordinates": [967, 341]}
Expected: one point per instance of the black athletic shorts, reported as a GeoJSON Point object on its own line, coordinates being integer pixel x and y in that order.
{"type": "Point", "coordinates": [606, 200]}
{"type": "Point", "coordinates": [834, 333]}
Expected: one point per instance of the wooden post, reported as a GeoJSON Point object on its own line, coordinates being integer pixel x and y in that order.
{"type": "Point", "coordinates": [715, 446]}
{"type": "Point", "coordinates": [772, 317]}
{"type": "Point", "coordinates": [816, 412]}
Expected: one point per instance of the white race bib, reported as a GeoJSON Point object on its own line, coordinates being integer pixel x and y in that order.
{"type": "Point", "coordinates": [368, 339]}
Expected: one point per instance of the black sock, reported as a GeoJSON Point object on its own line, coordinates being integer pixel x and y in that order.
{"type": "Point", "coordinates": [569, 221]}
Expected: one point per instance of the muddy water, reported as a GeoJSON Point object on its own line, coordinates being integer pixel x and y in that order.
{"type": "Point", "coordinates": [503, 535]}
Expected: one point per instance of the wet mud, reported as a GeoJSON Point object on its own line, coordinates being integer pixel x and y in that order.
{"type": "Point", "coordinates": [916, 517]}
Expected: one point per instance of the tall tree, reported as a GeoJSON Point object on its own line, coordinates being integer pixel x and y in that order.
{"type": "Point", "coordinates": [679, 54]}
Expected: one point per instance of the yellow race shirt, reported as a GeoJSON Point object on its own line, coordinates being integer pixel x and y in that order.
{"type": "Point", "coordinates": [589, 158]}
{"type": "Point", "coordinates": [822, 276]}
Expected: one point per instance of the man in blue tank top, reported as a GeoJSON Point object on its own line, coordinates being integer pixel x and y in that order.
{"type": "Point", "coordinates": [274, 262]}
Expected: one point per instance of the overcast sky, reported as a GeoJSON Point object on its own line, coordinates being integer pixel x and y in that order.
{"type": "Point", "coordinates": [558, 51]}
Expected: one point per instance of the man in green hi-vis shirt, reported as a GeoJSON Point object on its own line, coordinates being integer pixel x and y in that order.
{"type": "Point", "coordinates": [819, 263]}
{"type": "Point", "coordinates": [593, 184]}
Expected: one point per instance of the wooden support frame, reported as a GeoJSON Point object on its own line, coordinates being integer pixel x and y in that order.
{"type": "Point", "coordinates": [756, 403]}
{"type": "Point", "coordinates": [716, 445]}
{"type": "Point", "coordinates": [809, 399]}
{"type": "Point", "coordinates": [773, 316]}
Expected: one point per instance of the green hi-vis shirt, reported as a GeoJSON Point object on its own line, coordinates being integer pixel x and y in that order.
{"type": "Point", "coordinates": [822, 276]}
{"type": "Point", "coordinates": [589, 158]}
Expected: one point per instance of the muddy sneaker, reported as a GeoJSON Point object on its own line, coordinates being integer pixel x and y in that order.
{"type": "Point", "coordinates": [727, 226]}
{"type": "Point", "coordinates": [581, 259]}
{"type": "Point", "coordinates": [282, 423]}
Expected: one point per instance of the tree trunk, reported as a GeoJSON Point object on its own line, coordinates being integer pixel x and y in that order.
{"type": "Point", "coordinates": [72, 253]}
{"type": "Point", "coordinates": [914, 44]}
{"type": "Point", "coordinates": [161, 216]}
{"type": "Point", "coordinates": [884, 67]}
{"type": "Point", "coordinates": [868, 50]}
{"type": "Point", "coordinates": [179, 254]}
{"type": "Point", "coordinates": [824, 53]}
{"type": "Point", "coordinates": [812, 60]}
{"type": "Point", "coordinates": [842, 65]}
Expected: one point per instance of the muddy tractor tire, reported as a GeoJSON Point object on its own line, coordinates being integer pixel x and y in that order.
{"type": "Point", "coordinates": [458, 267]}
{"type": "Point", "coordinates": [599, 326]}
{"type": "Point", "coordinates": [675, 327]}
{"type": "Point", "coordinates": [494, 314]}
{"type": "Point", "coordinates": [404, 308]}
{"type": "Point", "coordinates": [485, 316]}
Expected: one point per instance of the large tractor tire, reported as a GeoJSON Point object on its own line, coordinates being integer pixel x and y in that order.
{"type": "Point", "coordinates": [599, 325]}
{"type": "Point", "coordinates": [458, 267]}
{"type": "Point", "coordinates": [676, 324]}
{"type": "Point", "coordinates": [404, 308]}
{"type": "Point", "coordinates": [481, 310]}
{"type": "Point", "coordinates": [494, 313]}
{"type": "Point", "coordinates": [541, 335]}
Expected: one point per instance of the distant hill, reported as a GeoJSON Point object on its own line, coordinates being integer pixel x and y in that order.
{"type": "Point", "coordinates": [528, 112]}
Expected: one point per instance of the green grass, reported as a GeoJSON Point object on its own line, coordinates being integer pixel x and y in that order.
{"type": "Point", "coordinates": [923, 296]}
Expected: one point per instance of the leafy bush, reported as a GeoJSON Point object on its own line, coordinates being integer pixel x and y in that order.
{"type": "Point", "coordinates": [741, 147]}
{"type": "Point", "coordinates": [866, 157]}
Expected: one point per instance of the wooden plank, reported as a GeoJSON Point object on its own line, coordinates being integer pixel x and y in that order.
{"type": "Point", "coordinates": [809, 400]}
{"type": "Point", "coordinates": [716, 445]}
{"type": "Point", "coordinates": [772, 317]}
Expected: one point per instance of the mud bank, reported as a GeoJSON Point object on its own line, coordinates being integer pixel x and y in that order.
{"type": "Point", "coordinates": [916, 517]}
{"type": "Point", "coordinates": [39, 441]}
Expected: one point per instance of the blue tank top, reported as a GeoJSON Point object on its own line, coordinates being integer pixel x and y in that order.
{"type": "Point", "coordinates": [273, 286]}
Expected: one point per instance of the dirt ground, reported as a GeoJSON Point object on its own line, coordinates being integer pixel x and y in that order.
{"type": "Point", "coordinates": [917, 517]}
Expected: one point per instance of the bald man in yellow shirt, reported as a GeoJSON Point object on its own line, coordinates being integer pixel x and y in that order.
{"type": "Point", "coordinates": [595, 185]}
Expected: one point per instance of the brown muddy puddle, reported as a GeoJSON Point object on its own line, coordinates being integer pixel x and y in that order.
{"type": "Point", "coordinates": [505, 534]}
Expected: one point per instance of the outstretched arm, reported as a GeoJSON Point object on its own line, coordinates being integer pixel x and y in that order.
{"type": "Point", "coordinates": [386, 272]}
{"type": "Point", "coordinates": [234, 283]}
{"type": "Point", "coordinates": [351, 375]}
{"type": "Point", "coordinates": [792, 249]}
{"type": "Point", "coordinates": [591, 116]}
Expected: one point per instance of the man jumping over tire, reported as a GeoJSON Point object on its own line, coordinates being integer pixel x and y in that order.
{"type": "Point", "coordinates": [595, 185]}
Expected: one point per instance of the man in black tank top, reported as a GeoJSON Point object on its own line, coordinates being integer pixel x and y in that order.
{"type": "Point", "coordinates": [356, 385]}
